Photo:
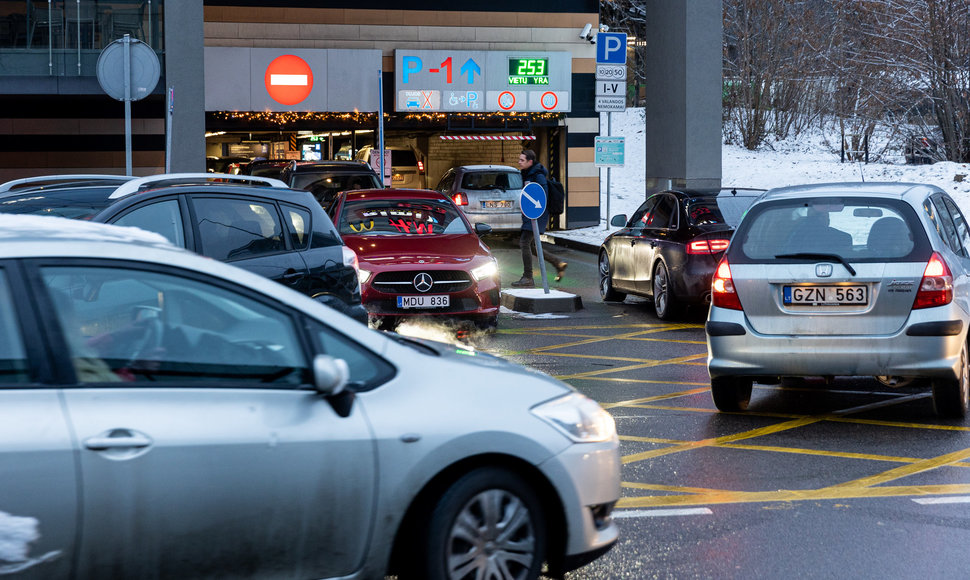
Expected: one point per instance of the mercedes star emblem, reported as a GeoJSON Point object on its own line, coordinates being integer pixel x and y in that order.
{"type": "Point", "coordinates": [423, 282]}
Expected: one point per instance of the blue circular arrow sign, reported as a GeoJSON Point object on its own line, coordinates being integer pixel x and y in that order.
{"type": "Point", "coordinates": [532, 200]}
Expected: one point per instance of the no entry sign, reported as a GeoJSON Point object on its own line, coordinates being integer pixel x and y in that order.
{"type": "Point", "coordinates": [289, 79]}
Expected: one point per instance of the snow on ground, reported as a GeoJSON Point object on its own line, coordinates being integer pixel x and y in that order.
{"type": "Point", "coordinates": [789, 162]}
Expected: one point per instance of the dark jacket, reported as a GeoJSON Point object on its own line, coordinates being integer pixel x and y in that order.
{"type": "Point", "coordinates": [537, 174]}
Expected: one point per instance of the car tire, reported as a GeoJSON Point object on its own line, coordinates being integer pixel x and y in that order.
{"type": "Point", "coordinates": [665, 304]}
{"type": "Point", "coordinates": [731, 393]}
{"type": "Point", "coordinates": [951, 397]}
{"type": "Point", "coordinates": [607, 293]}
{"type": "Point", "coordinates": [488, 524]}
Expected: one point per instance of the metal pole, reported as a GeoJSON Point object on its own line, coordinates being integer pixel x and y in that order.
{"type": "Point", "coordinates": [127, 41]}
{"type": "Point", "coordinates": [78, 15]}
{"type": "Point", "coordinates": [168, 130]}
{"type": "Point", "coordinates": [380, 121]}
{"type": "Point", "coordinates": [609, 133]}
{"type": "Point", "coordinates": [50, 38]}
{"type": "Point", "coordinates": [542, 262]}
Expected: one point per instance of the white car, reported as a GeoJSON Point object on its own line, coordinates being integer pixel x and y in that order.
{"type": "Point", "coordinates": [167, 415]}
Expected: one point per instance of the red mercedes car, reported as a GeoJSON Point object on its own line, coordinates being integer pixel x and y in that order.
{"type": "Point", "coordinates": [419, 257]}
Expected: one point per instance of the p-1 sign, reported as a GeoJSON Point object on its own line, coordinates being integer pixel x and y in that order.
{"type": "Point", "coordinates": [611, 48]}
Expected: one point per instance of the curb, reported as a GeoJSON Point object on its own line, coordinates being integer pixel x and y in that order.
{"type": "Point", "coordinates": [572, 244]}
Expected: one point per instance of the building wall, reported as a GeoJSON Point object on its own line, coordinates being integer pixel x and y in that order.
{"type": "Point", "coordinates": [456, 25]}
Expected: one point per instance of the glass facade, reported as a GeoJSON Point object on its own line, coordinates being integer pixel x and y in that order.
{"type": "Point", "coordinates": [65, 37]}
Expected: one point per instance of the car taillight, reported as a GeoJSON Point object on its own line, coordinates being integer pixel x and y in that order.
{"type": "Point", "coordinates": [460, 198]}
{"type": "Point", "coordinates": [707, 246]}
{"type": "Point", "coordinates": [936, 287]}
{"type": "Point", "coordinates": [722, 286]}
{"type": "Point", "coordinates": [420, 166]}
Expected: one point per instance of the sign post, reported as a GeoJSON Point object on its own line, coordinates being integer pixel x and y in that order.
{"type": "Point", "coordinates": [532, 201]}
{"type": "Point", "coordinates": [610, 90]}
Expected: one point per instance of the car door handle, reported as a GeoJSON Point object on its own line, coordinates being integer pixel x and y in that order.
{"type": "Point", "coordinates": [118, 439]}
{"type": "Point", "coordinates": [291, 275]}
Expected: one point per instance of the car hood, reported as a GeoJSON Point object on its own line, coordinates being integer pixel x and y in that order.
{"type": "Point", "coordinates": [444, 249]}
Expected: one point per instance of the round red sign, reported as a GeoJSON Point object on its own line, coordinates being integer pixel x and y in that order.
{"type": "Point", "coordinates": [288, 79]}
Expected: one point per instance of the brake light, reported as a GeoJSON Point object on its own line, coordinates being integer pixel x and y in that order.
{"type": "Point", "coordinates": [707, 246]}
{"type": "Point", "coordinates": [460, 198]}
{"type": "Point", "coordinates": [420, 166]}
{"type": "Point", "coordinates": [723, 294]}
{"type": "Point", "coordinates": [936, 287]}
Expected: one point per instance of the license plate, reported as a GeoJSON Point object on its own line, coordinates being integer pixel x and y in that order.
{"type": "Point", "coordinates": [430, 301]}
{"type": "Point", "coordinates": [826, 295]}
{"type": "Point", "coordinates": [498, 203]}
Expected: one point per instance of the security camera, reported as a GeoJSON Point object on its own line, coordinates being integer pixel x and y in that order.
{"type": "Point", "coordinates": [604, 28]}
{"type": "Point", "coordinates": [585, 33]}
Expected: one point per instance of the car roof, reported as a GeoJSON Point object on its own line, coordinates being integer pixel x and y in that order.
{"type": "Point", "coordinates": [486, 168]}
{"type": "Point", "coordinates": [277, 193]}
{"type": "Point", "coordinates": [35, 229]}
{"type": "Point", "coordinates": [891, 189]}
{"type": "Point", "coordinates": [358, 194]}
{"type": "Point", "coordinates": [159, 180]}
{"type": "Point", "coordinates": [337, 164]}
{"type": "Point", "coordinates": [66, 180]}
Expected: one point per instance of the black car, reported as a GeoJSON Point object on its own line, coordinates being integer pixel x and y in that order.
{"type": "Point", "coordinates": [282, 234]}
{"type": "Point", "coordinates": [669, 247]}
{"type": "Point", "coordinates": [265, 167]}
{"type": "Point", "coordinates": [325, 179]}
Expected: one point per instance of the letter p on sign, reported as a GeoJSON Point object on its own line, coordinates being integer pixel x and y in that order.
{"type": "Point", "coordinates": [611, 48]}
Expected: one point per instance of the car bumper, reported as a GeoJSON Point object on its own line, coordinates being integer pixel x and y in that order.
{"type": "Point", "coordinates": [928, 345]}
{"type": "Point", "coordinates": [499, 222]}
{"type": "Point", "coordinates": [587, 479]}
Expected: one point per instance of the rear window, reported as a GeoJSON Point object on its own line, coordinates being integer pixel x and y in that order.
{"type": "Point", "coordinates": [331, 183]}
{"type": "Point", "coordinates": [418, 217]}
{"type": "Point", "coordinates": [723, 209]}
{"type": "Point", "coordinates": [488, 180]}
{"type": "Point", "coordinates": [403, 157]}
{"type": "Point", "coordinates": [855, 229]}
{"type": "Point", "coordinates": [69, 203]}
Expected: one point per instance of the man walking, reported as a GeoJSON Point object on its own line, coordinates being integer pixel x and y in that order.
{"type": "Point", "coordinates": [536, 173]}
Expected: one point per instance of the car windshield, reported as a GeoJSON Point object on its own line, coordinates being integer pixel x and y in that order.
{"type": "Point", "coordinates": [82, 203]}
{"type": "Point", "coordinates": [334, 182]}
{"type": "Point", "coordinates": [854, 229]}
{"type": "Point", "coordinates": [722, 209]}
{"type": "Point", "coordinates": [489, 180]}
{"type": "Point", "coordinates": [409, 217]}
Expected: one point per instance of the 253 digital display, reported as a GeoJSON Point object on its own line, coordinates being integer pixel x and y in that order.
{"type": "Point", "coordinates": [528, 71]}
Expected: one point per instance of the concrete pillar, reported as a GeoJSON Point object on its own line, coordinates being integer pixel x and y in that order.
{"type": "Point", "coordinates": [184, 41]}
{"type": "Point", "coordinates": [683, 107]}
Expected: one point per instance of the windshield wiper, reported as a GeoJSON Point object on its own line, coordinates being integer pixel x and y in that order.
{"type": "Point", "coordinates": [819, 256]}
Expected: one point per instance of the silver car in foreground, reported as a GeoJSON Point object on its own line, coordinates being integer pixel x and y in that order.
{"type": "Point", "coordinates": [165, 415]}
{"type": "Point", "coordinates": [844, 279]}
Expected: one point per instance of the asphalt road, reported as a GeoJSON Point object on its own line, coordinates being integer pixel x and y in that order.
{"type": "Point", "coordinates": [852, 480]}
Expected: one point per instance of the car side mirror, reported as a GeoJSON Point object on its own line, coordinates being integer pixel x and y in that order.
{"type": "Point", "coordinates": [618, 221]}
{"type": "Point", "coordinates": [483, 229]}
{"type": "Point", "coordinates": [330, 375]}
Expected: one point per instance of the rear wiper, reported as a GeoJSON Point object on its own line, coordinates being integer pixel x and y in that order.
{"type": "Point", "coordinates": [814, 256]}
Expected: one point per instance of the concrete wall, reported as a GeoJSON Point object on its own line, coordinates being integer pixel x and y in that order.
{"type": "Point", "coordinates": [185, 74]}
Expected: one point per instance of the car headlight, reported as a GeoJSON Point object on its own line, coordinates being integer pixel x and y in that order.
{"type": "Point", "coordinates": [363, 276]}
{"type": "Point", "coordinates": [485, 271]}
{"type": "Point", "coordinates": [578, 417]}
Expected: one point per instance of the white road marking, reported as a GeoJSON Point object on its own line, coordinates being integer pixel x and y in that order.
{"type": "Point", "coordinates": [938, 500]}
{"type": "Point", "coordinates": [288, 80]}
{"type": "Point", "coordinates": [661, 513]}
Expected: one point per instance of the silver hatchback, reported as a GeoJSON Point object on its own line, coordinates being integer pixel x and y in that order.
{"type": "Point", "coordinates": [844, 279]}
{"type": "Point", "coordinates": [487, 194]}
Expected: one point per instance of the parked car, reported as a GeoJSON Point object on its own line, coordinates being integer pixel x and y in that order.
{"type": "Point", "coordinates": [668, 249]}
{"type": "Point", "coordinates": [221, 164]}
{"type": "Point", "coordinates": [265, 167]}
{"type": "Point", "coordinates": [168, 413]}
{"type": "Point", "coordinates": [487, 194]}
{"type": "Point", "coordinates": [407, 168]}
{"type": "Point", "coordinates": [418, 257]}
{"type": "Point", "coordinates": [277, 232]}
{"type": "Point", "coordinates": [65, 180]}
{"type": "Point", "coordinates": [844, 279]}
{"type": "Point", "coordinates": [325, 179]}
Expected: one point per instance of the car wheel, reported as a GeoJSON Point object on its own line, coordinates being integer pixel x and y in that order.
{"type": "Point", "coordinates": [664, 303]}
{"type": "Point", "coordinates": [951, 397]}
{"type": "Point", "coordinates": [607, 293]}
{"type": "Point", "coordinates": [731, 393]}
{"type": "Point", "coordinates": [488, 524]}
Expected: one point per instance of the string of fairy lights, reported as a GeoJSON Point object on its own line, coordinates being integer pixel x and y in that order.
{"type": "Point", "coordinates": [290, 118]}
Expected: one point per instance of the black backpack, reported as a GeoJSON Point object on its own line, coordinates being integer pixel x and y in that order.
{"type": "Point", "coordinates": [557, 196]}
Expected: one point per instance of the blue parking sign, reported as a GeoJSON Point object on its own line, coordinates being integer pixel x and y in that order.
{"type": "Point", "coordinates": [611, 48]}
